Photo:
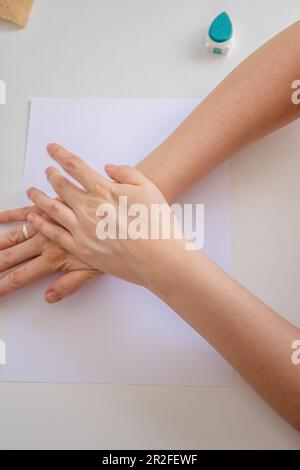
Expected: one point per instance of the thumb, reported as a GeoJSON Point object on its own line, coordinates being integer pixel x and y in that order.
{"type": "Point", "coordinates": [124, 174]}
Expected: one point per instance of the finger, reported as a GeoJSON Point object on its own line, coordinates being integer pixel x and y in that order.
{"type": "Point", "coordinates": [15, 236]}
{"type": "Point", "coordinates": [77, 168]}
{"type": "Point", "coordinates": [68, 284]}
{"type": "Point", "coordinates": [17, 215]}
{"type": "Point", "coordinates": [63, 187]}
{"type": "Point", "coordinates": [25, 275]}
{"type": "Point", "coordinates": [53, 232]}
{"type": "Point", "coordinates": [54, 208]}
{"type": "Point", "coordinates": [18, 254]}
{"type": "Point", "coordinates": [125, 174]}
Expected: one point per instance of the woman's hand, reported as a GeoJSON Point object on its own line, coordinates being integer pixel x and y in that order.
{"type": "Point", "coordinates": [134, 259]}
{"type": "Point", "coordinates": [40, 257]}
{"type": "Point", "coordinates": [244, 330]}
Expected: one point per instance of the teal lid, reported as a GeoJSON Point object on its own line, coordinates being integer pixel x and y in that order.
{"type": "Point", "coordinates": [221, 28]}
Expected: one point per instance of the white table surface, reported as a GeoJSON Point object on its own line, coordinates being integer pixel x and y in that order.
{"type": "Point", "coordinates": [140, 48]}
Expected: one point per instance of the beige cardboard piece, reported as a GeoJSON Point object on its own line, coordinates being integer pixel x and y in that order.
{"type": "Point", "coordinates": [16, 11]}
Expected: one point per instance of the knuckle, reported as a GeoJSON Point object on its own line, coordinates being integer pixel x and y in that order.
{"type": "Point", "coordinates": [95, 188]}
{"type": "Point", "coordinates": [15, 279]}
{"type": "Point", "coordinates": [58, 182]}
{"type": "Point", "coordinates": [24, 212]}
{"type": "Point", "coordinates": [53, 209]}
{"type": "Point", "coordinates": [13, 237]}
{"type": "Point", "coordinates": [7, 258]}
{"type": "Point", "coordinates": [72, 163]}
{"type": "Point", "coordinates": [39, 225]}
{"type": "Point", "coordinates": [105, 192]}
{"type": "Point", "coordinates": [56, 237]}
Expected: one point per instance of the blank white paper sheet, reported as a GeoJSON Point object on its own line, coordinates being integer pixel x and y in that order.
{"type": "Point", "coordinates": [112, 331]}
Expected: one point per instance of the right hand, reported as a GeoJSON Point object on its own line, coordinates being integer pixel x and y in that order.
{"type": "Point", "coordinates": [77, 215]}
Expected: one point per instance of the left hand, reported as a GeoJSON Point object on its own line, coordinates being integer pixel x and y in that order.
{"type": "Point", "coordinates": [29, 260]}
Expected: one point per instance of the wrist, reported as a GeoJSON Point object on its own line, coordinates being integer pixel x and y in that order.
{"type": "Point", "coordinates": [172, 270]}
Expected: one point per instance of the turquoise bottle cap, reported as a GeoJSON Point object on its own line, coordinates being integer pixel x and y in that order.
{"type": "Point", "coordinates": [221, 28]}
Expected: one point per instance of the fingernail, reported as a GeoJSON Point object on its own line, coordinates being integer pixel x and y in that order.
{"type": "Point", "coordinates": [109, 165]}
{"type": "Point", "coordinates": [52, 297]}
{"type": "Point", "coordinates": [30, 217]}
{"type": "Point", "coordinates": [29, 191]}
{"type": "Point", "coordinates": [53, 148]}
{"type": "Point", "coordinates": [49, 170]}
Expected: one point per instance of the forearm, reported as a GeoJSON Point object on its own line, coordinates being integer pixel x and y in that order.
{"type": "Point", "coordinates": [254, 100]}
{"type": "Point", "coordinates": [252, 337]}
